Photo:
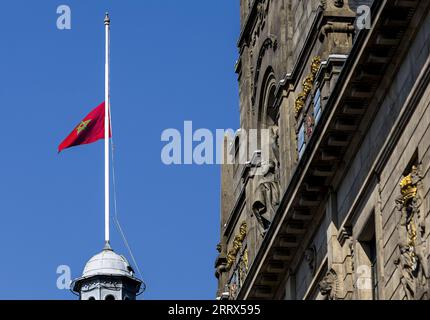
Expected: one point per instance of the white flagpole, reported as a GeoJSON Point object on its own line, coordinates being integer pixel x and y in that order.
{"type": "Point", "coordinates": [107, 125]}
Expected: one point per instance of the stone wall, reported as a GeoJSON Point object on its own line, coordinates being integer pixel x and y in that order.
{"type": "Point", "coordinates": [279, 42]}
{"type": "Point", "coordinates": [370, 189]}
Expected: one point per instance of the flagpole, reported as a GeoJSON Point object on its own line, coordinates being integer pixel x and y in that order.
{"type": "Point", "coordinates": [107, 125]}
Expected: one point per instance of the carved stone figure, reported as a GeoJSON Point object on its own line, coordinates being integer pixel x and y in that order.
{"type": "Point", "coordinates": [338, 3]}
{"type": "Point", "coordinates": [221, 263]}
{"type": "Point", "coordinates": [412, 262]}
{"type": "Point", "coordinates": [311, 257]}
{"type": "Point", "coordinates": [329, 285]}
{"type": "Point", "coordinates": [328, 4]}
{"type": "Point", "coordinates": [267, 191]}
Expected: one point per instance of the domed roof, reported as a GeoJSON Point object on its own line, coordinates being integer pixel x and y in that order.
{"type": "Point", "coordinates": [107, 262]}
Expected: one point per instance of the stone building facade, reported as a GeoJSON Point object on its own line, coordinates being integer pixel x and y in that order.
{"type": "Point", "coordinates": [340, 207]}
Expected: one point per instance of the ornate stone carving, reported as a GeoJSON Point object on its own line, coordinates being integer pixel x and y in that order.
{"type": "Point", "coordinates": [237, 245]}
{"type": "Point", "coordinates": [329, 285]}
{"type": "Point", "coordinates": [308, 84]}
{"type": "Point", "coordinates": [338, 3]}
{"type": "Point", "coordinates": [221, 262]}
{"type": "Point", "coordinates": [101, 283]}
{"type": "Point", "coordinates": [329, 4]}
{"type": "Point", "coordinates": [311, 258]}
{"type": "Point", "coordinates": [412, 261]}
{"type": "Point", "coordinates": [267, 191]}
{"type": "Point", "coordinates": [262, 11]}
{"type": "Point", "coordinates": [260, 23]}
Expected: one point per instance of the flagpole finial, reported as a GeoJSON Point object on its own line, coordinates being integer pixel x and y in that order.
{"type": "Point", "coordinates": [107, 246]}
{"type": "Point", "coordinates": [107, 19]}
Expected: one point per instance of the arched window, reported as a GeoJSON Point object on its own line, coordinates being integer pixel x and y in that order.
{"type": "Point", "coordinates": [236, 149]}
{"type": "Point", "coordinates": [268, 112]}
{"type": "Point", "coordinates": [109, 297]}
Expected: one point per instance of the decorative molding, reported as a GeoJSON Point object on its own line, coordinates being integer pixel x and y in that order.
{"type": "Point", "coordinates": [101, 283]}
{"type": "Point", "coordinates": [344, 234]}
{"type": "Point", "coordinates": [308, 84]}
{"type": "Point", "coordinates": [336, 27]}
{"type": "Point", "coordinates": [270, 42]}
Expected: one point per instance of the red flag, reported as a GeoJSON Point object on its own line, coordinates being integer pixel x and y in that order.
{"type": "Point", "coordinates": [91, 129]}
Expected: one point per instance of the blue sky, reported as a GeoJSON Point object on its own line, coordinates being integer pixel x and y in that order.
{"type": "Point", "coordinates": [172, 61]}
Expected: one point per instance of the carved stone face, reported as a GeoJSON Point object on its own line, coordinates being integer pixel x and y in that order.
{"type": "Point", "coordinates": [325, 287]}
{"type": "Point", "coordinates": [338, 3]}
{"type": "Point", "coordinates": [219, 247]}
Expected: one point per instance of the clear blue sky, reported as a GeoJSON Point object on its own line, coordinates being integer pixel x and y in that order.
{"type": "Point", "coordinates": [172, 61]}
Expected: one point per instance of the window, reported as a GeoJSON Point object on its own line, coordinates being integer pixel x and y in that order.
{"type": "Point", "coordinates": [369, 248]}
{"type": "Point", "coordinates": [374, 266]}
{"type": "Point", "coordinates": [236, 150]}
{"type": "Point", "coordinates": [317, 105]}
{"type": "Point", "coordinates": [268, 113]}
{"type": "Point", "coordinates": [367, 282]}
{"type": "Point", "coordinates": [301, 140]}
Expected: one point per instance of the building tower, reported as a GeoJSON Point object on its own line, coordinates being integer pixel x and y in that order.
{"type": "Point", "coordinates": [107, 276]}
{"type": "Point", "coordinates": [340, 209]}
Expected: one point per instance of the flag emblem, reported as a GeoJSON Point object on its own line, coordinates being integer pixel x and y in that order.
{"type": "Point", "coordinates": [89, 130]}
{"type": "Point", "coordinates": [82, 126]}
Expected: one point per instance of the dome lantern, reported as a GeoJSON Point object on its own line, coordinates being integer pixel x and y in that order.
{"type": "Point", "coordinates": [107, 276]}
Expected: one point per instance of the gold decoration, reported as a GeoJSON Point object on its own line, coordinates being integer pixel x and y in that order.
{"type": "Point", "coordinates": [409, 189]}
{"type": "Point", "coordinates": [245, 259]}
{"type": "Point", "coordinates": [412, 259]}
{"type": "Point", "coordinates": [408, 186]}
{"type": "Point", "coordinates": [308, 84]}
{"type": "Point", "coordinates": [316, 64]}
{"type": "Point", "coordinates": [237, 245]}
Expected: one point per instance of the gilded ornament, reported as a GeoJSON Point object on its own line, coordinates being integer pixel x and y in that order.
{"type": "Point", "coordinates": [308, 84]}
{"type": "Point", "coordinates": [237, 245]}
